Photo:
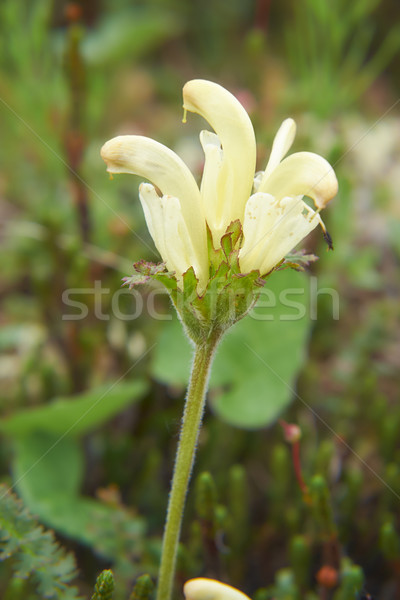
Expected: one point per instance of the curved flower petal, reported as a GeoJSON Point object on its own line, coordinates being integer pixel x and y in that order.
{"type": "Point", "coordinates": [170, 234]}
{"type": "Point", "coordinates": [281, 145]}
{"type": "Point", "coordinates": [152, 208]}
{"type": "Point", "coordinates": [143, 156]}
{"type": "Point", "coordinates": [303, 173]}
{"type": "Point", "coordinates": [210, 589]}
{"type": "Point", "coordinates": [232, 181]}
{"type": "Point", "coordinates": [272, 228]}
{"type": "Point", "coordinates": [259, 219]}
{"type": "Point", "coordinates": [210, 184]}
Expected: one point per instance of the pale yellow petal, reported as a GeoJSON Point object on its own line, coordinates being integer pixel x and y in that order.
{"type": "Point", "coordinates": [209, 184]}
{"type": "Point", "coordinates": [303, 173]}
{"type": "Point", "coordinates": [143, 156]}
{"type": "Point", "coordinates": [210, 589]}
{"type": "Point", "coordinates": [259, 218]}
{"type": "Point", "coordinates": [153, 213]}
{"type": "Point", "coordinates": [180, 251]}
{"type": "Point", "coordinates": [258, 177]}
{"type": "Point", "coordinates": [281, 145]}
{"type": "Point", "coordinates": [170, 234]}
{"type": "Point", "coordinates": [272, 228]}
{"type": "Point", "coordinates": [294, 225]}
{"type": "Point", "coordinates": [234, 129]}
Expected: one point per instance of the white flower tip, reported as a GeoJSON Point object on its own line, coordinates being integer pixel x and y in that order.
{"type": "Point", "coordinates": [326, 188]}
{"type": "Point", "coordinates": [145, 189]}
{"type": "Point", "coordinates": [289, 126]}
{"type": "Point", "coordinates": [191, 91]}
{"type": "Point", "coordinates": [281, 145]}
{"type": "Point", "coordinates": [289, 122]}
{"type": "Point", "coordinates": [217, 105]}
{"type": "Point", "coordinates": [289, 129]}
{"type": "Point", "coordinates": [210, 589]}
{"type": "Point", "coordinates": [114, 154]}
{"type": "Point", "coordinates": [208, 138]}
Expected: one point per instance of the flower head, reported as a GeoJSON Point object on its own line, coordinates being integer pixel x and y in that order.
{"type": "Point", "coordinates": [210, 589]}
{"type": "Point", "coordinates": [274, 218]}
{"type": "Point", "coordinates": [224, 238]}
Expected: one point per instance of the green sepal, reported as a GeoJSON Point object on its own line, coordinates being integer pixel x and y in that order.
{"type": "Point", "coordinates": [297, 261]}
{"type": "Point", "coordinates": [190, 282]}
{"type": "Point", "coordinates": [229, 294]}
{"type": "Point", "coordinates": [214, 256]}
{"type": "Point", "coordinates": [231, 242]}
{"type": "Point", "coordinates": [145, 271]}
{"type": "Point", "coordinates": [229, 252]}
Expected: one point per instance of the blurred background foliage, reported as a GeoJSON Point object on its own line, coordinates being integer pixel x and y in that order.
{"type": "Point", "coordinates": [90, 407]}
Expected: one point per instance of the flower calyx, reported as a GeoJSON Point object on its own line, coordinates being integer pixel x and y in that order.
{"type": "Point", "coordinates": [227, 298]}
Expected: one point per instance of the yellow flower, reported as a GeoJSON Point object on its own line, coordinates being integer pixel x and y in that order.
{"type": "Point", "coordinates": [176, 219]}
{"type": "Point", "coordinates": [269, 205]}
{"type": "Point", "coordinates": [210, 589]}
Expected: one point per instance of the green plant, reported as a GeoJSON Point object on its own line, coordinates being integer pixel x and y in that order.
{"type": "Point", "coordinates": [33, 551]}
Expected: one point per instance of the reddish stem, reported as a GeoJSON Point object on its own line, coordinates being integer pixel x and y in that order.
{"type": "Point", "coordinates": [292, 434]}
{"type": "Point", "coordinates": [297, 467]}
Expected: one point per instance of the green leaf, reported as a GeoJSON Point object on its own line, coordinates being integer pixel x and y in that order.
{"type": "Point", "coordinates": [48, 466]}
{"type": "Point", "coordinates": [256, 366]}
{"type": "Point", "coordinates": [48, 472]}
{"type": "Point", "coordinates": [76, 415]}
{"type": "Point", "coordinates": [47, 469]}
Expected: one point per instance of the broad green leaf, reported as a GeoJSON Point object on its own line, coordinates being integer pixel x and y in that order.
{"type": "Point", "coordinates": [47, 466]}
{"type": "Point", "coordinates": [48, 471]}
{"type": "Point", "coordinates": [255, 369]}
{"type": "Point", "coordinates": [76, 415]}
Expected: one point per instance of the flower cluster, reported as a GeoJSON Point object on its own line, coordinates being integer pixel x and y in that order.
{"type": "Point", "coordinates": [244, 220]}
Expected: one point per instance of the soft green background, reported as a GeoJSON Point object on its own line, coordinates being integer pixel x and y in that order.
{"type": "Point", "coordinates": [90, 409]}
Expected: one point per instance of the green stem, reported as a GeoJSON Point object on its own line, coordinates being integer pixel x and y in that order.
{"type": "Point", "coordinates": [191, 422]}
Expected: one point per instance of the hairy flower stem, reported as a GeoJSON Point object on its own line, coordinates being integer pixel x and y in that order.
{"type": "Point", "coordinates": [191, 422]}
